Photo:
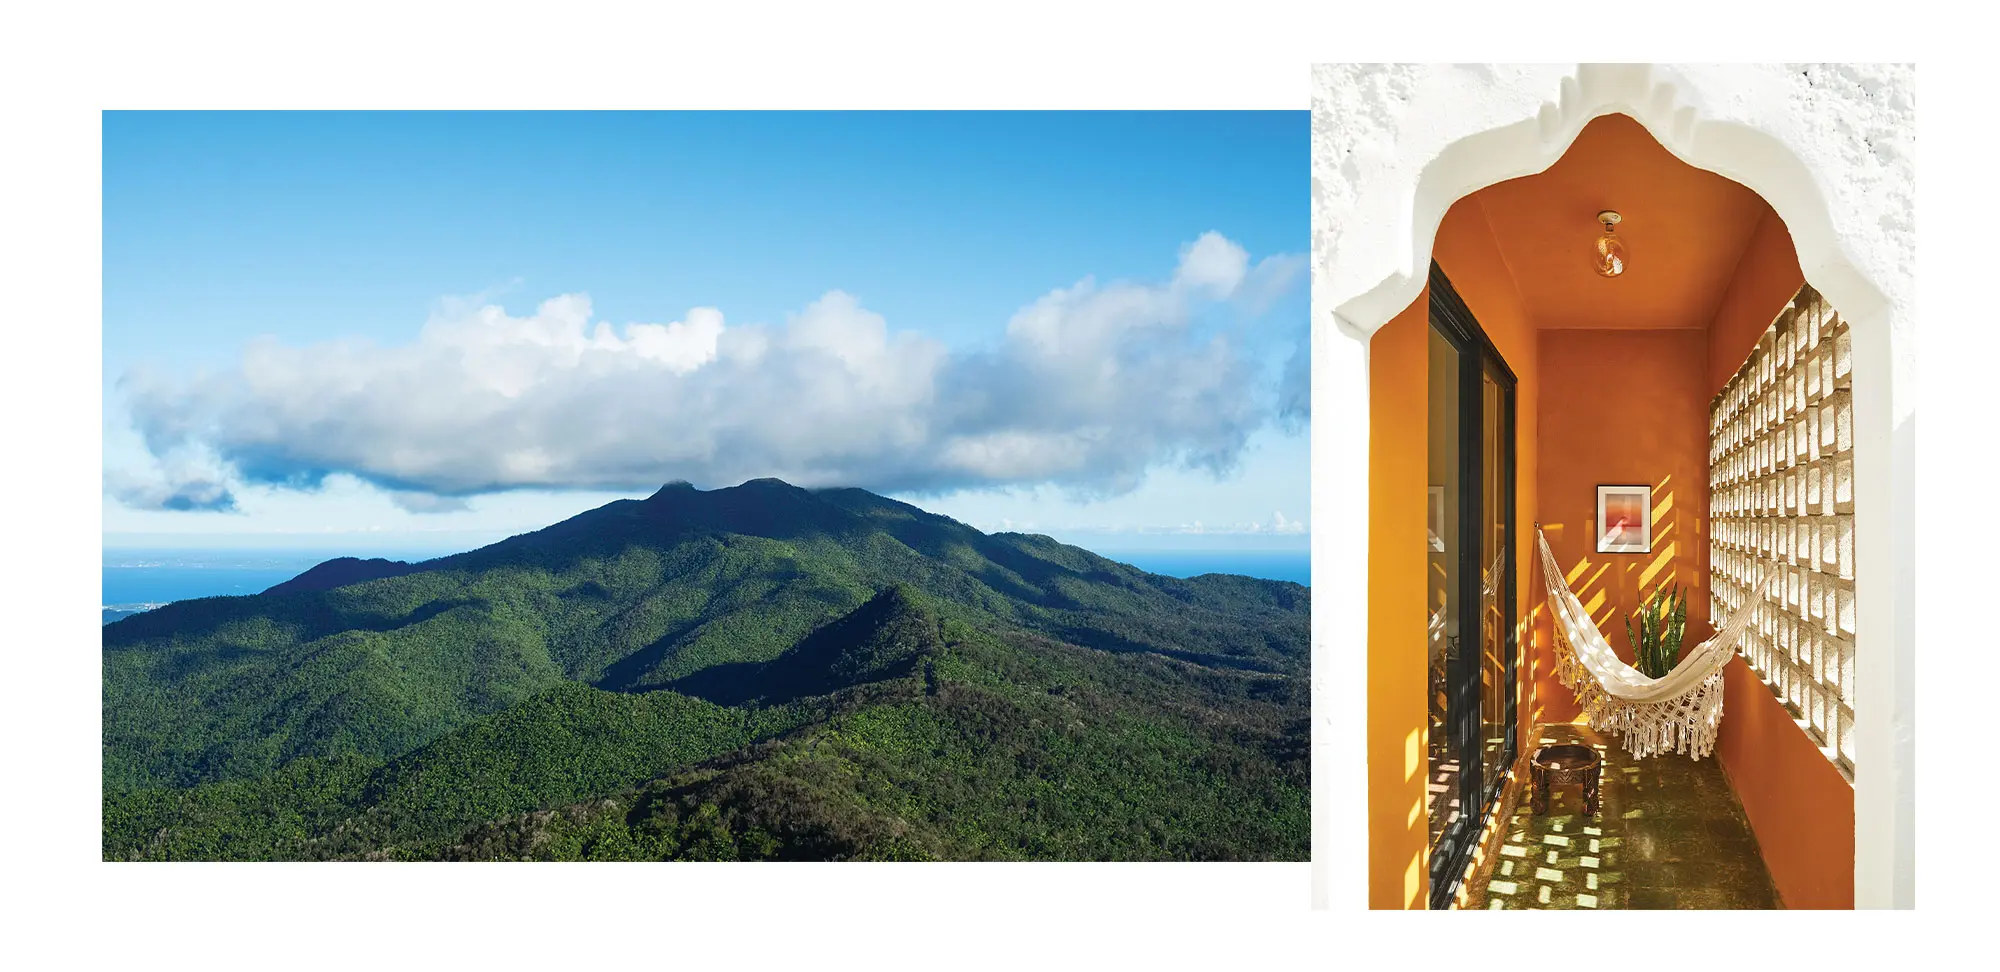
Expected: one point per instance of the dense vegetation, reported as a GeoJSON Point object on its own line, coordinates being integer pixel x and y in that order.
{"type": "Point", "coordinates": [761, 672]}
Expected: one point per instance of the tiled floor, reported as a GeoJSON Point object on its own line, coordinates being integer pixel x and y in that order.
{"type": "Point", "coordinates": [1669, 834]}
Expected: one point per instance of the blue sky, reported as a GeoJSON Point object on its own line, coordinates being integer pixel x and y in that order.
{"type": "Point", "coordinates": [427, 330]}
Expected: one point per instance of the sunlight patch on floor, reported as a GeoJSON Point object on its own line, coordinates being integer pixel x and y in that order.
{"type": "Point", "coordinates": [1670, 834]}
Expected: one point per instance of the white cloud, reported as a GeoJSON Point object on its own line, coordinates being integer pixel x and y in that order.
{"type": "Point", "coordinates": [1213, 263]}
{"type": "Point", "coordinates": [413, 502]}
{"type": "Point", "coordinates": [180, 484]}
{"type": "Point", "coordinates": [1092, 386]}
{"type": "Point", "coordinates": [1279, 525]}
{"type": "Point", "coordinates": [1270, 279]}
{"type": "Point", "coordinates": [1295, 386]}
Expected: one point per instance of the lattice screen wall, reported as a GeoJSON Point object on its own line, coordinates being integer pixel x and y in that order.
{"type": "Point", "coordinates": [1781, 507]}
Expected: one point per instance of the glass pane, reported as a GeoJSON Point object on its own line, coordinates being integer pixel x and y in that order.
{"type": "Point", "coordinates": [1443, 786]}
{"type": "Point", "coordinates": [1495, 618]}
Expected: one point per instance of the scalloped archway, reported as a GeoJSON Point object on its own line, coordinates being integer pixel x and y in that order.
{"type": "Point", "coordinates": [1830, 148]}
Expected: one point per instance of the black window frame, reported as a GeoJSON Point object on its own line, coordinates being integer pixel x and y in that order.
{"type": "Point", "coordinates": [1453, 320]}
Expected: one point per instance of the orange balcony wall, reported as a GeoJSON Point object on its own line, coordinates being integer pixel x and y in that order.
{"type": "Point", "coordinates": [1800, 806]}
{"type": "Point", "coordinates": [1398, 380]}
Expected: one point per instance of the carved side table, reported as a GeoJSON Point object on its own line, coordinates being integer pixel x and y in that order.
{"type": "Point", "coordinates": [1566, 765]}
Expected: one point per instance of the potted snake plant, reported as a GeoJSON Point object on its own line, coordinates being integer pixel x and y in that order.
{"type": "Point", "coordinates": [1656, 641]}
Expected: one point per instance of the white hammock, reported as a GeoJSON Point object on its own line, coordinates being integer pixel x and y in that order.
{"type": "Point", "coordinates": [1677, 712]}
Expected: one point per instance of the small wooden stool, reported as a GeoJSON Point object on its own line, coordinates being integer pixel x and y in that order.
{"type": "Point", "coordinates": [1566, 765]}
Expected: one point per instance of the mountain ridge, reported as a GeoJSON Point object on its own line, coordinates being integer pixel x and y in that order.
{"type": "Point", "coordinates": [340, 572]}
{"type": "Point", "coordinates": [816, 607]}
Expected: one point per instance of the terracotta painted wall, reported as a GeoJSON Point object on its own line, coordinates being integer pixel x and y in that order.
{"type": "Point", "coordinates": [1397, 475]}
{"type": "Point", "coordinates": [1800, 806]}
{"type": "Point", "coordinates": [1621, 408]}
{"type": "Point", "coordinates": [1398, 369]}
{"type": "Point", "coordinates": [1767, 275]}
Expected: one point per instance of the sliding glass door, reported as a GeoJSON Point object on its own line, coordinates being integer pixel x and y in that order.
{"type": "Point", "coordinates": [1470, 583]}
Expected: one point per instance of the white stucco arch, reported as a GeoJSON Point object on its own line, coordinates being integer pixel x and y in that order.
{"type": "Point", "coordinates": [1830, 147]}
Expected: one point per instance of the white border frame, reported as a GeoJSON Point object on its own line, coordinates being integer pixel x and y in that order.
{"type": "Point", "coordinates": [1645, 544]}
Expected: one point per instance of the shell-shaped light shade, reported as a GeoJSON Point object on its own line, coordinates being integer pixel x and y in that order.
{"type": "Point", "coordinates": [1610, 255]}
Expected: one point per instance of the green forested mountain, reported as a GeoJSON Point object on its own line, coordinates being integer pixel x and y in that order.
{"type": "Point", "coordinates": [761, 672]}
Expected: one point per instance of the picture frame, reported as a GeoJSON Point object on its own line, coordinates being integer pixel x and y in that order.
{"type": "Point", "coordinates": [1625, 519]}
{"type": "Point", "coordinates": [1437, 519]}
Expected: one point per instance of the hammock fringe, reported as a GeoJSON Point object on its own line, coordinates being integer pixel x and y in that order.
{"type": "Point", "coordinates": [1687, 725]}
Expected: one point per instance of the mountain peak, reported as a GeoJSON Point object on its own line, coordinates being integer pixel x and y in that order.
{"type": "Point", "coordinates": [681, 488]}
{"type": "Point", "coordinates": [769, 482]}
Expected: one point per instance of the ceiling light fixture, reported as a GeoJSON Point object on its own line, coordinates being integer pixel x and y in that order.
{"type": "Point", "coordinates": [1610, 249]}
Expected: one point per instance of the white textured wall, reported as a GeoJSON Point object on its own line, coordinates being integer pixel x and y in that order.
{"type": "Point", "coordinates": [1830, 147]}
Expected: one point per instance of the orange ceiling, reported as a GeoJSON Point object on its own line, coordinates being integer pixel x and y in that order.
{"type": "Point", "coordinates": [1684, 231]}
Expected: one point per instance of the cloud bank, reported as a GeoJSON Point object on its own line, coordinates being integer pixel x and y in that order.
{"type": "Point", "coordinates": [1091, 385]}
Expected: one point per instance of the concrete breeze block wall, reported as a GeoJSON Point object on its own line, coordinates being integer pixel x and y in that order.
{"type": "Point", "coordinates": [1781, 503]}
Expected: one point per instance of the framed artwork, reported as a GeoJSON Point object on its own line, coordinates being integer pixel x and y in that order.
{"type": "Point", "coordinates": [1624, 519]}
{"type": "Point", "coordinates": [1437, 519]}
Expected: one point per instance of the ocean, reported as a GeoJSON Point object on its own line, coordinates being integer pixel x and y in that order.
{"type": "Point", "coordinates": [1285, 565]}
{"type": "Point", "coordinates": [140, 580]}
